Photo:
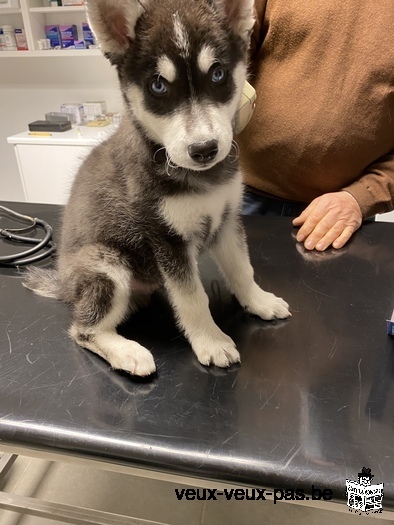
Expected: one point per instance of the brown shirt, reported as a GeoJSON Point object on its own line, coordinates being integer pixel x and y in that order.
{"type": "Point", "coordinates": [324, 121]}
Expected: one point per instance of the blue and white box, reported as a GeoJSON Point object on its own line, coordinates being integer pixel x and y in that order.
{"type": "Point", "coordinates": [53, 35]}
{"type": "Point", "coordinates": [88, 35]}
{"type": "Point", "coordinates": [68, 35]}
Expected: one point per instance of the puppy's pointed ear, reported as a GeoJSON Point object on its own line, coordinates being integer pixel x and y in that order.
{"type": "Point", "coordinates": [239, 15]}
{"type": "Point", "coordinates": [113, 22]}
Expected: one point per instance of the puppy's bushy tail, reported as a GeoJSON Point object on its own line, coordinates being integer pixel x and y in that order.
{"type": "Point", "coordinates": [43, 282]}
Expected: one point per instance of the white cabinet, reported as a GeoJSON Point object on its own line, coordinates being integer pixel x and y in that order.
{"type": "Point", "coordinates": [33, 16]}
{"type": "Point", "coordinates": [47, 165]}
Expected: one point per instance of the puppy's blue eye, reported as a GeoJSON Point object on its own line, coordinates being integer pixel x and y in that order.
{"type": "Point", "coordinates": [218, 75]}
{"type": "Point", "coordinates": [158, 87]}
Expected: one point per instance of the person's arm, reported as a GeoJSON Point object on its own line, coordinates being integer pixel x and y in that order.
{"type": "Point", "coordinates": [374, 190]}
{"type": "Point", "coordinates": [332, 218]}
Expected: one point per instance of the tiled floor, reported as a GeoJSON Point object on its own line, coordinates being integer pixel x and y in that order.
{"type": "Point", "coordinates": [148, 499]}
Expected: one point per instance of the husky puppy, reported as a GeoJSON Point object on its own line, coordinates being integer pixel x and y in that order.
{"type": "Point", "coordinates": [165, 185]}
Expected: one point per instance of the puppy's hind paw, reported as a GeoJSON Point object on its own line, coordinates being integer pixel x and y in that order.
{"type": "Point", "coordinates": [219, 352]}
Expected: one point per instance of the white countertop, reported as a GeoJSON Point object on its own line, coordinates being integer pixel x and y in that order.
{"type": "Point", "coordinates": [77, 136]}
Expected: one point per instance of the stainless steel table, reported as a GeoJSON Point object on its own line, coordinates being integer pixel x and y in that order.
{"type": "Point", "coordinates": [311, 404]}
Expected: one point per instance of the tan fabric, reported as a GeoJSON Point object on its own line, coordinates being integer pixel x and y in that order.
{"type": "Point", "coordinates": [324, 74]}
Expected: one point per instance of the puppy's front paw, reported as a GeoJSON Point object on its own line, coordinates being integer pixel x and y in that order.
{"type": "Point", "coordinates": [135, 359]}
{"type": "Point", "coordinates": [216, 351]}
{"type": "Point", "coordinates": [266, 305]}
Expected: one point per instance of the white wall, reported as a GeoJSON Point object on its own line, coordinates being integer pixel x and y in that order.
{"type": "Point", "coordinates": [31, 87]}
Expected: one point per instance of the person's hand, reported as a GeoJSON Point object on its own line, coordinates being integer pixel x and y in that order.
{"type": "Point", "coordinates": [330, 219]}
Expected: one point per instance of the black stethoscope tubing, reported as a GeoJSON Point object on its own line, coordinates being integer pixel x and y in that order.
{"type": "Point", "coordinates": [45, 245]}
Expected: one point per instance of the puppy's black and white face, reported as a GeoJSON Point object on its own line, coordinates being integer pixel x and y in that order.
{"type": "Point", "coordinates": [182, 67]}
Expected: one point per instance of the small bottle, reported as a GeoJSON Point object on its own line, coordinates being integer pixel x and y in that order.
{"type": "Point", "coordinates": [9, 37]}
{"type": "Point", "coordinates": [2, 40]}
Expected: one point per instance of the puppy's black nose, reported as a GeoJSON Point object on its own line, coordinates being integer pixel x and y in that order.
{"type": "Point", "coordinates": [203, 152]}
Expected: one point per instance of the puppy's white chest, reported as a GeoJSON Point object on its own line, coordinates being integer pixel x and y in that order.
{"type": "Point", "coordinates": [187, 214]}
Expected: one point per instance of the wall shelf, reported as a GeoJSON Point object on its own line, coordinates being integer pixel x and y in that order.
{"type": "Point", "coordinates": [33, 16]}
{"type": "Point", "coordinates": [59, 9]}
{"type": "Point", "coordinates": [10, 11]}
{"type": "Point", "coordinates": [55, 53]}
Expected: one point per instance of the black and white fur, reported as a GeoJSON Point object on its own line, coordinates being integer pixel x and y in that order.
{"type": "Point", "coordinates": [165, 186]}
